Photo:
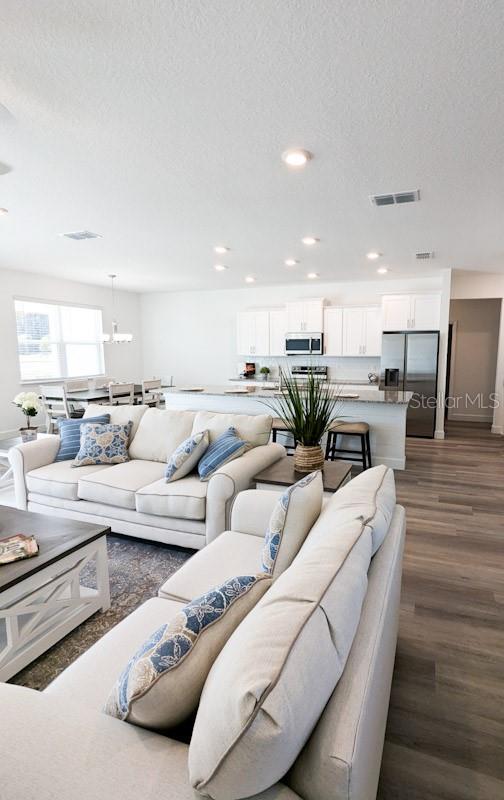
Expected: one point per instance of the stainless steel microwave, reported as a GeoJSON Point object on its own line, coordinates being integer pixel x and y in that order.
{"type": "Point", "coordinates": [303, 344]}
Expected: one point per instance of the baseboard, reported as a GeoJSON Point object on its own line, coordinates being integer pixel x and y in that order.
{"type": "Point", "coordinates": [469, 418]}
{"type": "Point", "coordinates": [498, 429]}
{"type": "Point", "coordinates": [439, 434]}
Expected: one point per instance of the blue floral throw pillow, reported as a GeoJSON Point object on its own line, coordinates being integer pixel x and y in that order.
{"type": "Point", "coordinates": [103, 444]}
{"type": "Point", "coordinates": [69, 431]}
{"type": "Point", "coordinates": [162, 683]}
{"type": "Point", "coordinates": [296, 511]}
{"type": "Point", "coordinates": [186, 456]}
{"type": "Point", "coordinates": [225, 448]}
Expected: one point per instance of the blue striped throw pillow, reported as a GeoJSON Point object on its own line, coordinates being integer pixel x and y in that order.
{"type": "Point", "coordinates": [227, 447]}
{"type": "Point", "coordinates": [69, 431]}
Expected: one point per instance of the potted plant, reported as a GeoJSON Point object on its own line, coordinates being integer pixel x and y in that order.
{"type": "Point", "coordinates": [29, 404]}
{"type": "Point", "coordinates": [307, 410]}
{"type": "Point", "coordinates": [265, 371]}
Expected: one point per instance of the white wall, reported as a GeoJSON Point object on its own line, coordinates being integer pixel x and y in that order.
{"type": "Point", "coordinates": [474, 360]}
{"type": "Point", "coordinates": [121, 361]}
{"type": "Point", "coordinates": [192, 335]}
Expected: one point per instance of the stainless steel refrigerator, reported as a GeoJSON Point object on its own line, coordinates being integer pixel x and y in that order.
{"type": "Point", "coordinates": [409, 362]}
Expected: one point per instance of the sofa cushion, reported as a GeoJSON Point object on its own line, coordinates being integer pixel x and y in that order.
{"type": "Point", "coordinates": [271, 682]}
{"type": "Point", "coordinates": [160, 432]}
{"type": "Point", "coordinates": [119, 415]}
{"type": "Point", "coordinates": [292, 518]}
{"type": "Point", "coordinates": [369, 496]}
{"type": "Point", "coordinates": [123, 481]}
{"type": "Point", "coordinates": [103, 444]}
{"type": "Point", "coordinates": [69, 431]}
{"type": "Point", "coordinates": [226, 447]}
{"type": "Point", "coordinates": [161, 684]}
{"type": "Point", "coordinates": [92, 674]}
{"type": "Point", "coordinates": [254, 428]}
{"type": "Point", "coordinates": [186, 456]}
{"type": "Point", "coordinates": [185, 498]}
{"type": "Point", "coordinates": [59, 479]}
{"type": "Point", "coordinates": [229, 554]}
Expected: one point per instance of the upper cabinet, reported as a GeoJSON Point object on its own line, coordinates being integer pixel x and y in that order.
{"type": "Point", "coordinates": [253, 333]}
{"type": "Point", "coordinates": [333, 331]}
{"type": "Point", "coordinates": [362, 331]}
{"type": "Point", "coordinates": [420, 312]}
{"type": "Point", "coordinates": [305, 315]}
{"type": "Point", "coordinates": [277, 331]}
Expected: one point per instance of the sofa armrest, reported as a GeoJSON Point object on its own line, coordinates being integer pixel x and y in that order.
{"type": "Point", "coordinates": [232, 478]}
{"type": "Point", "coordinates": [251, 511]}
{"type": "Point", "coordinates": [52, 748]}
{"type": "Point", "coordinates": [27, 456]}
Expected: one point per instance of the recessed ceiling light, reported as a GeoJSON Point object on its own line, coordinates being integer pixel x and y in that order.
{"type": "Point", "coordinates": [309, 240]}
{"type": "Point", "coordinates": [4, 211]}
{"type": "Point", "coordinates": [382, 270]}
{"type": "Point", "coordinates": [220, 249]}
{"type": "Point", "coordinates": [220, 267]}
{"type": "Point", "coordinates": [295, 157]}
{"type": "Point", "coordinates": [312, 275]}
{"type": "Point", "coordinates": [250, 279]}
{"type": "Point", "coordinates": [290, 262]}
{"type": "Point", "coordinates": [373, 255]}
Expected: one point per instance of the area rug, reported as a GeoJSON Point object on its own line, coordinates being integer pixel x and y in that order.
{"type": "Point", "coordinates": [137, 570]}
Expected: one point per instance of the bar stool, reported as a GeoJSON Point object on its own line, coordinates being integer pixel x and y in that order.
{"type": "Point", "coordinates": [279, 425]}
{"type": "Point", "coordinates": [360, 429]}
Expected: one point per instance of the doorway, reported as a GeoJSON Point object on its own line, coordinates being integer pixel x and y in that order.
{"type": "Point", "coordinates": [473, 336]}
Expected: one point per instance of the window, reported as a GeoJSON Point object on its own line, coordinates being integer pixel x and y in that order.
{"type": "Point", "coordinates": [58, 341]}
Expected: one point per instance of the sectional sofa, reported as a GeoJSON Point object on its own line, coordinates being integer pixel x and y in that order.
{"type": "Point", "coordinates": [133, 497]}
{"type": "Point", "coordinates": [59, 743]}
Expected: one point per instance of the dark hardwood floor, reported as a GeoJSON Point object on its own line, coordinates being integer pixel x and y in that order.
{"type": "Point", "coordinates": [445, 732]}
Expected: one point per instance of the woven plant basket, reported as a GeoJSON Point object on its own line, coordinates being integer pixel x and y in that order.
{"type": "Point", "coordinates": [308, 459]}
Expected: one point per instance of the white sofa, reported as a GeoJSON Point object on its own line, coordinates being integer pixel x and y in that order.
{"type": "Point", "coordinates": [133, 498]}
{"type": "Point", "coordinates": [58, 743]}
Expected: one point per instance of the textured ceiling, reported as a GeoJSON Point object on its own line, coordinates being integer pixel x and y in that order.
{"type": "Point", "coordinates": [160, 126]}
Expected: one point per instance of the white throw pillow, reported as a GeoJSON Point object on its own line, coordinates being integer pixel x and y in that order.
{"type": "Point", "coordinates": [254, 428]}
{"type": "Point", "coordinates": [161, 684]}
{"type": "Point", "coordinates": [293, 516]}
{"type": "Point", "coordinates": [186, 456]}
{"type": "Point", "coordinates": [271, 682]}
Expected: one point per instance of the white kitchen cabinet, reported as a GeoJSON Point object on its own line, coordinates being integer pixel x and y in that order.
{"type": "Point", "coordinates": [403, 312]}
{"type": "Point", "coordinates": [372, 331]}
{"type": "Point", "coordinates": [333, 332]}
{"type": "Point", "coordinates": [362, 331]}
{"type": "Point", "coordinates": [425, 312]}
{"type": "Point", "coordinates": [277, 331]}
{"type": "Point", "coordinates": [305, 315]}
{"type": "Point", "coordinates": [253, 333]}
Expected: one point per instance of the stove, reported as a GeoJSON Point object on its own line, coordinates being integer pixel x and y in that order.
{"type": "Point", "coordinates": [302, 372]}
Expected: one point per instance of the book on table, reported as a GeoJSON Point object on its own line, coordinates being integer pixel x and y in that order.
{"type": "Point", "coordinates": [14, 548]}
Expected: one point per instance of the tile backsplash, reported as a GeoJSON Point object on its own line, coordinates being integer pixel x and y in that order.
{"type": "Point", "coordinates": [344, 369]}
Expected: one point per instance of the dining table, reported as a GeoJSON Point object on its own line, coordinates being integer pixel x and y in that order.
{"type": "Point", "coordinates": [86, 396]}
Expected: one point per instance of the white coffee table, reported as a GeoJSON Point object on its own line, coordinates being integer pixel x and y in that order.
{"type": "Point", "coordinates": [42, 598]}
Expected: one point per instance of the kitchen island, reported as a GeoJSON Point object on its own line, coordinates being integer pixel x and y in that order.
{"type": "Point", "coordinates": [384, 411]}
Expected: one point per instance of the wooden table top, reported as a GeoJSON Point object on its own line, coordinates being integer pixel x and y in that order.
{"type": "Point", "coordinates": [56, 538]}
{"type": "Point", "coordinates": [282, 473]}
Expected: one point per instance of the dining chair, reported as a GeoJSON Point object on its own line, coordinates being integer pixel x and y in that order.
{"type": "Point", "coordinates": [77, 385]}
{"type": "Point", "coordinates": [104, 381]}
{"type": "Point", "coordinates": [151, 392]}
{"type": "Point", "coordinates": [54, 409]}
{"type": "Point", "coordinates": [121, 393]}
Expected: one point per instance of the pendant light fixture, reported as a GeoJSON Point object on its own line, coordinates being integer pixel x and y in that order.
{"type": "Point", "coordinates": [115, 337]}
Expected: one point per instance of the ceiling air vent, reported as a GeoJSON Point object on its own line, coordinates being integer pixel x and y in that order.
{"type": "Point", "coordinates": [395, 199]}
{"type": "Point", "coordinates": [79, 235]}
{"type": "Point", "coordinates": [424, 256]}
